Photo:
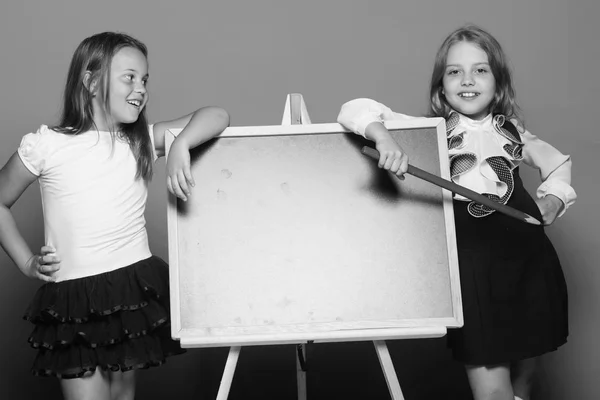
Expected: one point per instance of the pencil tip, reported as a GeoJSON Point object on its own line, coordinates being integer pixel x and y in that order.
{"type": "Point", "coordinates": [532, 220]}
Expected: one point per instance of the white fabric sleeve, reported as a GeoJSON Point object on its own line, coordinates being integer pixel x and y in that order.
{"type": "Point", "coordinates": [554, 167]}
{"type": "Point", "coordinates": [34, 150]}
{"type": "Point", "coordinates": [357, 114]}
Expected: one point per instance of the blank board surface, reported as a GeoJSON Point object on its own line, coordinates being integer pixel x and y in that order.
{"type": "Point", "coordinates": [292, 234]}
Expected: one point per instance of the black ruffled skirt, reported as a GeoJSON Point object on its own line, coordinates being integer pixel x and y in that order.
{"type": "Point", "coordinates": [513, 289]}
{"type": "Point", "coordinates": [117, 321]}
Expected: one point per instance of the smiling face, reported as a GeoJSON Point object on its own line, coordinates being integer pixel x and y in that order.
{"type": "Point", "coordinates": [127, 90]}
{"type": "Point", "coordinates": [469, 84]}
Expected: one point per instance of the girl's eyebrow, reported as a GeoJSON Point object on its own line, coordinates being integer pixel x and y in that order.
{"type": "Point", "coordinates": [457, 65]}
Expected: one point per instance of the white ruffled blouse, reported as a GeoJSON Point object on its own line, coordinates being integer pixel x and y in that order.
{"type": "Point", "coordinates": [482, 153]}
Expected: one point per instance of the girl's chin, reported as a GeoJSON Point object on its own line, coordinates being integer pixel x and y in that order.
{"type": "Point", "coordinates": [128, 120]}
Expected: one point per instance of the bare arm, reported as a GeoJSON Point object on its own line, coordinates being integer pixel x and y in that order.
{"type": "Point", "coordinates": [198, 127]}
{"type": "Point", "coordinates": [14, 179]}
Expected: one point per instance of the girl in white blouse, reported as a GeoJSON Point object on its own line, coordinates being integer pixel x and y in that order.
{"type": "Point", "coordinates": [514, 292]}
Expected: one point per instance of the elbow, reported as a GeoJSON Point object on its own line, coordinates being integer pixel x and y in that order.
{"type": "Point", "coordinates": [224, 117]}
{"type": "Point", "coordinates": [342, 117]}
{"type": "Point", "coordinates": [352, 109]}
{"type": "Point", "coordinates": [347, 112]}
{"type": "Point", "coordinates": [220, 116]}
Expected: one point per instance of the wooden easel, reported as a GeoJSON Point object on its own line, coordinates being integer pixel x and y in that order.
{"type": "Point", "coordinates": [295, 113]}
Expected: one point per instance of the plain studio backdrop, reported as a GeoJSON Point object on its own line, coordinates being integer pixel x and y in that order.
{"type": "Point", "coordinates": [245, 56]}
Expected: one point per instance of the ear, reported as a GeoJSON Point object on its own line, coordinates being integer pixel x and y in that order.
{"type": "Point", "coordinates": [89, 83]}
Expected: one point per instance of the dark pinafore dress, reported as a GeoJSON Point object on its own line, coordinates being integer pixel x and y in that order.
{"type": "Point", "coordinates": [513, 289]}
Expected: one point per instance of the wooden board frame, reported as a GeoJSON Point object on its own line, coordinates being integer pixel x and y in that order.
{"type": "Point", "coordinates": [350, 331]}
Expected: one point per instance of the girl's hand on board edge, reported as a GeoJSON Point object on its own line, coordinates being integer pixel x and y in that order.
{"type": "Point", "coordinates": [550, 206]}
{"type": "Point", "coordinates": [179, 174]}
{"type": "Point", "coordinates": [392, 157]}
{"type": "Point", "coordinates": [42, 266]}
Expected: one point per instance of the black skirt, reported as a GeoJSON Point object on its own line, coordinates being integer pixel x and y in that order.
{"type": "Point", "coordinates": [117, 321]}
{"type": "Point", "coordinates": [513, 289]}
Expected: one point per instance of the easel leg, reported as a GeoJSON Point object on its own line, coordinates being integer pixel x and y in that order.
{"type": "Point", "coordinates": [232, 358]}
{"type": "Point", "coordinates": [388, 370]}
{"type": "Point", "coordinates": [301, 371]}
{"type": "Point", "coordinates": [295, 113]}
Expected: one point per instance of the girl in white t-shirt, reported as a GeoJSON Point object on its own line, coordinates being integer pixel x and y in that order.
{"type": "Point", "coordinates": [513, 290]}
{"type": "Point", "coordinates": [103, 311]}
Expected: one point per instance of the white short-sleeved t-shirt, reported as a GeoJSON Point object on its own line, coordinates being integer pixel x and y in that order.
{"type": "Point", "coordinates": [92, 202]}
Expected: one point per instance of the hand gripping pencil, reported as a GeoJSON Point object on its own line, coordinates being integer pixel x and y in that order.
{"type": "Point", "coordinates": [463, 191]}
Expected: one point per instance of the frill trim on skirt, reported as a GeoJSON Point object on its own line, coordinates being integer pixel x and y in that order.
{"type": "Point", "coordinates": [117, 320]}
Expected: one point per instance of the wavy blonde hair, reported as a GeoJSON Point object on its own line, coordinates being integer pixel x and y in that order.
{"type": "Point", "coordinates": [504, 99]}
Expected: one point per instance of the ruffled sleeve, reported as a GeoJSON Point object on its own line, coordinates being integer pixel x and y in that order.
{"type": "Point", "coordinates": [357, 114]}
{"type": "Point", "coordinates": [555, 169]}
{"type": "Point", "coordinates": [34, 150]}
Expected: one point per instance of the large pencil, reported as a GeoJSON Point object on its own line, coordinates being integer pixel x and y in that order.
{"type": "Point", "coordinates": [463, 191]}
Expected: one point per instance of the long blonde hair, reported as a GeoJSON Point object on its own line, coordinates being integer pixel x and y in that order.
{"type": "Point", "coordinates": [94, 55]}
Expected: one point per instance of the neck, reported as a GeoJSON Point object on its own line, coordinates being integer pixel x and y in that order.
{"type": "Point", "coordinates": [479, 117]}
{"type": "Point", "coordinates": [101, 122]}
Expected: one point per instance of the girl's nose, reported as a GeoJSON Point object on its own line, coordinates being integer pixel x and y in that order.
{"type": "Point", "coordinates": [140, 88]}
{"type": "Point", "coordinates": [467, 80]}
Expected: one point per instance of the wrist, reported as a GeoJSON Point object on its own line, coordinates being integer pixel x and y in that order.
{"type": "Point", "coordinates": [556, 201]}
{"type": "Point", "coordinates": [376, 132]}
{"type": "Point", "coordinates": [180, 140]}
{"type": "Point", "coordinates": [24, 266]}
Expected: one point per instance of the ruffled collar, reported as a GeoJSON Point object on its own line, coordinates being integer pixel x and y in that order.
{"type": "Point", "coordinates": [490, 123]}
{"type": "Point", "coordinates": [483, 154]}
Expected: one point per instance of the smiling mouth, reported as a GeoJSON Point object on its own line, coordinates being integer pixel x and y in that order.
{"type": "Point", "coordinates": [468, 95]}
{"type": "Point", "coordinates": [135, 103]}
